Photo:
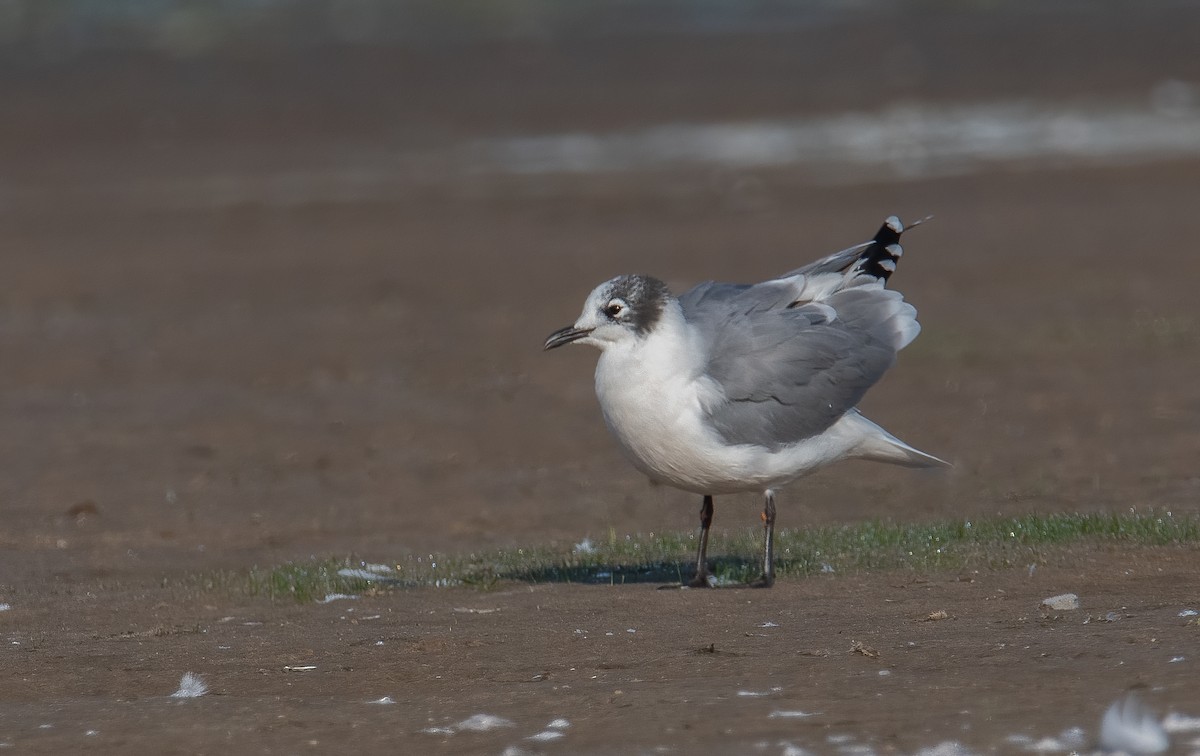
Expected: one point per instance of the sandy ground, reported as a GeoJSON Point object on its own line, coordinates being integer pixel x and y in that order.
{"type": "Point", "coordinates": [633, 670]}
{"type": "Point", "coordinates": [194, 384]}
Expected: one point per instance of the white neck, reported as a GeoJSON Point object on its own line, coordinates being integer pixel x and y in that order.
{"type": "Point", "coordinates": [650, 394]}
{"type": "Point", "coordinates": [663, 356]}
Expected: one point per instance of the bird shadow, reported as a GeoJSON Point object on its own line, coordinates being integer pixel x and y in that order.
{"type": "Point", "coordinates": [727, 572]}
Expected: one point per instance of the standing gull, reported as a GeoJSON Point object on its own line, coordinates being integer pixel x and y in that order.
{"type": "Point", "coordinates": [747, 387]}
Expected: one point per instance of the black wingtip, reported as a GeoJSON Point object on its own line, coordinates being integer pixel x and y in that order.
{"type": "Point", "coordinates": [880, 259]}
{"type": "Point", "coordinates": [890, 231]}
{"type": "Point", "coordinates": [893, 227]}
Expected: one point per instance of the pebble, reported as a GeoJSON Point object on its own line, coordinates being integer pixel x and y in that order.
{"type": "Point", "coordinates": [1062, 603]}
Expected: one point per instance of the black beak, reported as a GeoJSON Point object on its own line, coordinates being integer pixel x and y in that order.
{"type": "Point", "coordinates": [565, 336]}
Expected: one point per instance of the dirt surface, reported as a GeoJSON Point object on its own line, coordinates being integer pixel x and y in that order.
{"type": "Point", "coordinates": [633, 669]}
{"type": "Point", "coordinates": [192, 383]}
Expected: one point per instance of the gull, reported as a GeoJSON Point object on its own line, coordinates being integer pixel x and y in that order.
{"type": "Point", "coordinates": [732, 388]}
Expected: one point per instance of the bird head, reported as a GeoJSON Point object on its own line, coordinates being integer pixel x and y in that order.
{"type": "Point", "coordinates": [620, 309]}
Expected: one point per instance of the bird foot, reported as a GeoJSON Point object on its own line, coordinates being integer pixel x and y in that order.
{"type": "Point", "coordinates": [703, 580]}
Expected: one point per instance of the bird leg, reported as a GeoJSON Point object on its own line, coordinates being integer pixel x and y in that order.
{"type": "Point", "coordinates": [768, 517]}
{"type": "Point", "coordinates": [706, 514]}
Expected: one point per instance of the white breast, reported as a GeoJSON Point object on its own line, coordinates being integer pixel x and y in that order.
{"type": "Point", "coordinates": [652, 392]}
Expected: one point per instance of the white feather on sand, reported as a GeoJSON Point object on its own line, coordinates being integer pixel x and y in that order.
{"type": "Point", "coordinates": [190, 686]}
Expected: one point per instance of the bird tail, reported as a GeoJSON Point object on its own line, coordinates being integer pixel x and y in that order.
{"type": "Point", "coordinates": [878, 445]}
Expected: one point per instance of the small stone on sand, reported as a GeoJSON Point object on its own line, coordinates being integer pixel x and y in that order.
{"type": "Point", "coordinates": [1062, 603]}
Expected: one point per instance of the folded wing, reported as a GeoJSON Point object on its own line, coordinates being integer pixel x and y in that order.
{"type": "Point", "coordinates": [789, 356]}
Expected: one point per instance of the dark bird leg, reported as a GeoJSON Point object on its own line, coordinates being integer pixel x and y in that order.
{"type": "Point", "coordinates": [706, 513]}
{"type": "Point", "coordinates": [768, 517]}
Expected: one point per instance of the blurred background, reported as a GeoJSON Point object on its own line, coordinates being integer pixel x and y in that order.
{"type": "Point", "coordinates": [276, 273]}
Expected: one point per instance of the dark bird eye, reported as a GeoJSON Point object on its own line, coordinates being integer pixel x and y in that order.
{"type": "Point", "coordinates": [613, 310]}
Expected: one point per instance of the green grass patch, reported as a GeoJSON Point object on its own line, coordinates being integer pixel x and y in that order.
{"type": "Point", "coordinates": [305, 581]}
{"type": "Point", "coordinates": [733, 557]}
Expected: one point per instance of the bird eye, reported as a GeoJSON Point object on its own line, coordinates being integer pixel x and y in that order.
{"type": "Point", "coordinates": [613, 309]}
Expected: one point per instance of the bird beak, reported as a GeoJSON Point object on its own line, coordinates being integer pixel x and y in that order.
{"type": "Point", "coordinates": [566, 336]}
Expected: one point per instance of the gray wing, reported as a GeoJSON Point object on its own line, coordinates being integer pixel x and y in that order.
{"type": "Point", "coordinates": [785, 374]}
{"type": "Point", "coordinates": [794, 354]}
{"type": "Point", "coordinates": [788, 373]}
